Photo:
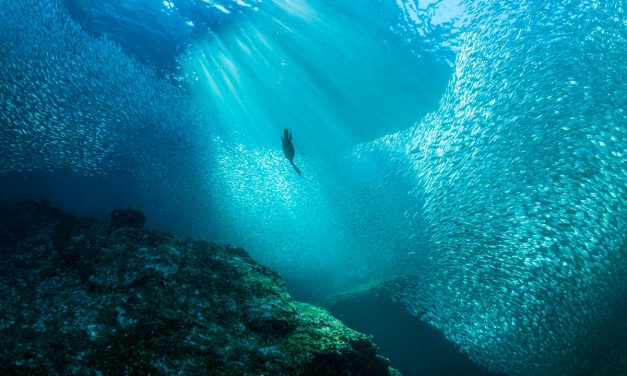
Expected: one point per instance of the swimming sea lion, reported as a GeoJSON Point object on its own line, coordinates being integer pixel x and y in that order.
{"type": "Point", "coordinates": [288, 148]}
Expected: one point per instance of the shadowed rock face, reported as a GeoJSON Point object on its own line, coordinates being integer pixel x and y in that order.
{"type": "Point", "coordinates": [127, 218]}
{"type": "Point", "coordinates": [415, 347]}
{"type": "Point", "coordinates": [80, 296]}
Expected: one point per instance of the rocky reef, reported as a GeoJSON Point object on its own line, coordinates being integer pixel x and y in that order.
{"type": "Point", "coordinates": [415, 347]}
{"type": "Point", "coordinates": [81, 296]}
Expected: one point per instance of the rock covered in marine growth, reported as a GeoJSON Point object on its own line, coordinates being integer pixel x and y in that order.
{"type": "Point", "coordinates": [79, 296]}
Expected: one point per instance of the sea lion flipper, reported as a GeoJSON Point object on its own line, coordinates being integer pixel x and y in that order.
{"type": "Point", "coordinates": [296, 168]}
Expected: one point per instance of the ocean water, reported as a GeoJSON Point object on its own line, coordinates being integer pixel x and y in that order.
{"type": "Point", "coordinates": [474, 150]}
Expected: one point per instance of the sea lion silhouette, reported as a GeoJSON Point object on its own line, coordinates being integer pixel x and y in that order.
{"type": "Point", "coordinates": [288, 148]}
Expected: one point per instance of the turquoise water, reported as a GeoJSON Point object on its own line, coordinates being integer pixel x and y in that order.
{"type": "Point", "coordinates": [476, 150]}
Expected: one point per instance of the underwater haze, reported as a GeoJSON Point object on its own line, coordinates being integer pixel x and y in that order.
{"type": "Point", "coordinates": [475, 151]}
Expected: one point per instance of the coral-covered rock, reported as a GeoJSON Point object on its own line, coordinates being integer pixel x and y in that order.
{"type": "Point", "coordinates": [78, 297]}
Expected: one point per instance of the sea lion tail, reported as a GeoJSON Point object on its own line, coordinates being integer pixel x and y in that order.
{"type": "Point", "coordinates": [295, 168]}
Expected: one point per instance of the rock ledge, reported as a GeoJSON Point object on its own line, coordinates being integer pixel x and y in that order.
{"type": "Point", "coordinates": [79, 296]}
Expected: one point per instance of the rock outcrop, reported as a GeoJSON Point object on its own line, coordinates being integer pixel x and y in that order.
{"type": "Point", "coordinates": [80, 296]}
{"type": "Point", "coordinates": [415, 347]}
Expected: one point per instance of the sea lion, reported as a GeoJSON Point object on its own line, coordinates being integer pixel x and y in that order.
{"type": "Point", "coordinates": [288, 148]}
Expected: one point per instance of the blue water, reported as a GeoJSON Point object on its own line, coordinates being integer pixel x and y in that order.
{"type": "Point", "coordinates": [475, 149]}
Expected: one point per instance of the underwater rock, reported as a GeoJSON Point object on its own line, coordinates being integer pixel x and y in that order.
{"type": "Point", "coordinates": [80, 298]}
{"type": "Point", "coordinates": [127, 218]}
{"type": "Point", "coordinates": [416, 347]}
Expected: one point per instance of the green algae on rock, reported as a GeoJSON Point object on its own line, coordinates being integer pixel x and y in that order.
{"type": "Point", "coordinates": [82, 297]}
